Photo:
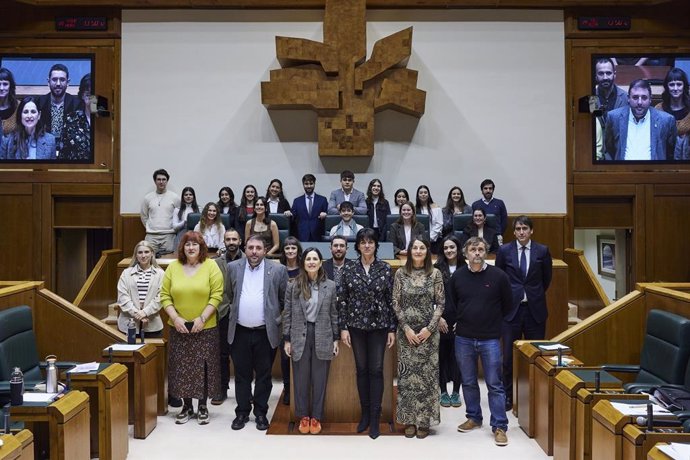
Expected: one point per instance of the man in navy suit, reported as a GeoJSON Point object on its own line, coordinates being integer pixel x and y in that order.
{"type": "Point", "coordinates": [639, 132]}
{"type": "Point", "coordinates": [309, 212]}
{"type": "Point", "coordinates": [528, 266]}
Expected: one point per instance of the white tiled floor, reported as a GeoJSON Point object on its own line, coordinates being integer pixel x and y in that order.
{"type": "Point", "coordinates": [217, 441]}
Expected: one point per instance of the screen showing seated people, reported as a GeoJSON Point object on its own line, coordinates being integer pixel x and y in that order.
{"type": "Point", "coordinates": [641, 108]}
{"type": "Point", "coordinates": [45, 108]}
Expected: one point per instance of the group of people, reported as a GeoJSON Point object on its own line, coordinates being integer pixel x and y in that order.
{"type": "Point", "coordinates": [443, 317]}
{"type": "Point", "coordinates": [48, 127]}
{"type": "Point", "coordinates": [165, 215]}
{"type": "Point", "coordinates": [628, 128]}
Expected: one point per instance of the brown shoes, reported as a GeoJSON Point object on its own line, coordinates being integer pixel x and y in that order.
{"type": "Point", "coordinates": [500, 437]}
{"type": "Point", "coordinates": [469, 425]}
{"type": "Point", "coordinates": [315, 427]}
{"type": "Point", "coordinates": [304, 425]}
{"type": "Point", "coordinates": [422, 432]}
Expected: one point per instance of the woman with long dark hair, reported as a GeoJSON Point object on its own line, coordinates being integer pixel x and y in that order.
{"type": "Point", "coordinates": [262, 224]}
{"type": "Point", "coordinates": [455, 204]}
{"type": "Point", "coordinates": [675, 100]}
{"type": "Point", "coordinates": [418, 301]}
{"type": "Point", "coordinates": [8, 102]}
{"type": "Point", "coordinates": [448, 261]}
{"type": "Point", "coordinates": [29, 141]}
{"type": "Point", "coordinates": [277, 203]}
{"type": "Point", "coordinates": [245, 211]}
{"type": "Point", "coordinates": [188, 205]}
{"type": "Point", "coordinates": [399, 198]}
{"type": "Point", "coordinates": [405, 229]}
{"type": "Point", "coordinates": [378, 209]}
{"type": "Point", "coordinates": [311, 334]}
{"type": "Point", "coordinates": [479, 228]}
{"type": "Point", "coordinates": [367, 324]}
{"type": "Point", "coordinates": [291, 256]}
{"type": "Point", "coordinates": [425, 205]}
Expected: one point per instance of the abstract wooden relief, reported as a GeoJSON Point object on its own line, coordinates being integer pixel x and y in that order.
{"type": "Point", "coordinates": [335, 79]}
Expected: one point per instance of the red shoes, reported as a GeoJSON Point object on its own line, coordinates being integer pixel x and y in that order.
{"type": "Point", "coordinates": [307, 425]}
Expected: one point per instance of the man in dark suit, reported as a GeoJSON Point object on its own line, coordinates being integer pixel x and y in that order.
{"type": "Point", "coordinates": [55, 105]}
{"type": "Point", "coordinates": [255, 288]}
{"type": "Point", "coordinates": [347, 192]}
{"type": "Point", "coordinates": [528, 266]}
{"type": "Point", "coordinates": [639, 132]}
{"type": "Point", "coordinates": [308, 212]}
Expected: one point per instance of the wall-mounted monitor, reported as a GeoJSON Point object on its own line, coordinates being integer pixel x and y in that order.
{"type": "Point", "coordinates": [45, 108]}
{"type": "Point", "coordinates": [641, 108]}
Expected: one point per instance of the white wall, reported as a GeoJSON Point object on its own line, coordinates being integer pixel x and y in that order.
{"type": "Point", "coordinates": [495, 106]}
{"type": "Point", "coordinates": [586, 240]}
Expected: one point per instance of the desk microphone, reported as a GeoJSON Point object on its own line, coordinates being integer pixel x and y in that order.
{"type": "Point", "coordinates": [110, 355]}
{"type": "Point", "coordinates": [7, 418]}
{"type": "Point", "coordinates": [560, 358]}
{"type": "Point", "coordinates": [597, 381]}
{"type": "Point", "coordinates": [650, 416]}
{"type": "Point", "coordinates": [644, 421]}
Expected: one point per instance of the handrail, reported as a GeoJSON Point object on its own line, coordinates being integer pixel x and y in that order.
{"type": "Point", "coordinates": [100, 288]}
{"type": "Point", "coordinates": [584, 290]}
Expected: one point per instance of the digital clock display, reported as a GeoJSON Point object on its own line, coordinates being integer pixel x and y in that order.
{"type": "Point", "coordinates": [81, 23]}
{"type": "Point", "coordinates": [603, 23]}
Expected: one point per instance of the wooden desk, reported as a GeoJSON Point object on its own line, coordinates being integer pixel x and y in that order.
{"type": "Point", "coordinates": [656, 454]}
{"type": "Point", "coordinates": [545, 371]}
{"type": "Point", "coordinates": [525, 355]}
{"type": "Point", "coordinates": [61, 428]}
{"type": "Point", "coordinates": [342, 400]}
{"type": "Point", "coordinates": [572, 422]}
{"type": "Point", "coordinates": [107, 389]}
{"type": "Point", "coordinates": [18, 446]}
{"type": "Point", "coordinates": [142, 369]}
{"type": "Point", "coordinates": [637, 441]}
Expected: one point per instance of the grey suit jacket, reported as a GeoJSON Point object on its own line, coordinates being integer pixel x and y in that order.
{"type": "Point", "coordinates": [326, 329]}
{"type": "Point", "coordinates": [45, 148]}
{"type": "Point", "coordinates": [275, 282]}
{"type": "Point", "coordinates": [356, 198]}
{"type": "Point", "coordinates": [662, 134]}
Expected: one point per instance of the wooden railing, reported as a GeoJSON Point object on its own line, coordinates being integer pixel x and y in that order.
{"type": "Point", "coordinates": [100, 288]}
{"type": "Point", "coordinates": [584, 290]}
{"type": "Point", "coordinates": [615, 333]}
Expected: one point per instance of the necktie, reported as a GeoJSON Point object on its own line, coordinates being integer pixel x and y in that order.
{"type": "Point", "coordinates": [309, 203]}
{"type": "Point", "coordinates": [523, 262]}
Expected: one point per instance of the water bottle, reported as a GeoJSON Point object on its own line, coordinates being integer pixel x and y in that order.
{"type": "Point", "coordinates": [17, 387]}
{"type": "Point", "coordinates": [51, 375]}
{"type": "Point", "coordinates": [131, 331]}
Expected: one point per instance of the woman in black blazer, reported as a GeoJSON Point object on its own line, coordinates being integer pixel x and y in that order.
{"type": "Point", "coordinates": [479, 225]}
{"type": "Point", "coordinates": [406, 224]}
{"type": "Point", "coordinates": [274, 194]}
{"type": "Point", "coordinates": [377, 206]}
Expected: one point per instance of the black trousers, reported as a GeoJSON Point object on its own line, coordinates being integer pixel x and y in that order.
{"type": "Point", "coordinates": [224, 354]}
{"type": "Point", "coordinates": [522, 326]}
{"type": "Point", "coordinates": [448, 370]}
{"type": "Point", "coordinates": [253, 358]}
{"type": "Point", "coordinates": [369, 348]}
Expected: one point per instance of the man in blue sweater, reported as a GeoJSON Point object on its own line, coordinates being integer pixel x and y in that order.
{"type": "Point", "coordinates": [482, 296]}
{"type": "Point", "coordinates": [492, 205]}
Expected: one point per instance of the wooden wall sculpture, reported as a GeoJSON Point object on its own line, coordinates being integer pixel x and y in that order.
{"type": "Point", "coordinates": [333, 79]}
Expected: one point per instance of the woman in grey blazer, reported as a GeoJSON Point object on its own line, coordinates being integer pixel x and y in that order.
{"type": "Point", "coordinates": [29, 141]}
{"type": "Point", "coordinates": [310, 329]}
{"type": "Point", "coordinates": [138, 291]}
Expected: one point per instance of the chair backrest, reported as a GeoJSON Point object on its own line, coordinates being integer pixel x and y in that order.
{"type": "Point", "coordinates": [225, 220]}
{"type": "Point", "coordinates": [666, 348]}
{"type": "Point", "coordinates": [391, 219]}
{"type": "Point", "coordinates": [18, 344]}
{"type": "Point", "coordinates": [492, 221]}
{"type": "Point", "coordinates": [424, 220]}
{"type": "Point", "coordinates": [281, 221]}
{"type": "Point", "coordinates": [460, 221]}
{"type": "Point", "coordinates": [193, 219]}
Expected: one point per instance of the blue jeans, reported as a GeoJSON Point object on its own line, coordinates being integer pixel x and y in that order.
{"type": "Point", "coordinates": [467, 352]}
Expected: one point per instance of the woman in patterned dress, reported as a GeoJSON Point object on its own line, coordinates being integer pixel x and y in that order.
{"type": "Point", "coordinates": [418, 301]}
{"type": "Point", "coordinates": [191, 292]}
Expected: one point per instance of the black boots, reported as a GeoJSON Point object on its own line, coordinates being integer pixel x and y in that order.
{"type": "Point", "coordinates": [364, 421]}
{"type": "Point", "coordinates": [375, 417]}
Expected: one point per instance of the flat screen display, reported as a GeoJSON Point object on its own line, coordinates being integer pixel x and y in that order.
{"type": "Point", "coordinates": [641, 108]}
{"type": "Point", "coordinates": [45, 108]}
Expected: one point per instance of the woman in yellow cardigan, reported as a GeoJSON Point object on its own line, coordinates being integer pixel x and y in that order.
{"type": "Point", "coordinates": [192, 289]}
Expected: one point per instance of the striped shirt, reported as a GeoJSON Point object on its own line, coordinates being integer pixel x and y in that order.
{"type": "Point", "coordinates": [143, 282]}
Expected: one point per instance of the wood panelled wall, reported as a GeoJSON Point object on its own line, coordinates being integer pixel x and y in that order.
{"type": "Point", "coordinates": [653, 203]}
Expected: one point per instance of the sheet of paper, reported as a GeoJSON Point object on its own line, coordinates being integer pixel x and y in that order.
{"type": "Point", "coordinates": [638, 409]}
{"type": "Point", "coordinates": [676, 450]}
{"type": "Point", "coordinates": [564, 360]}
{"type": "Point", "coordinates": [84, 367]}
{"type": "Point", "coordinates": [124, 347]}
{"type": "Point", "coordinates": [39, 397]}
{"type": "Point", "coordinates": [554, 347]}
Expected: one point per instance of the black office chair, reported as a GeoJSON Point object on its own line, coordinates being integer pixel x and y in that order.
{"type": "Point", "coordinates": [18, 349]}
{"type": "Point", "coordinates": [283, 223]}
{"type": "Point", "coordinates": [193, 218]}
{"type": "Point", "coordinates": [665, 352]}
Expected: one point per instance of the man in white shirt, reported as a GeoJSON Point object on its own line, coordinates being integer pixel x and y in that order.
{"type": "Point", "coordinates": [255, 288]}
{"type": "Point", "coordinates": [157, 211]}
{"type": "Point", "coordinates": [638, 132]}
